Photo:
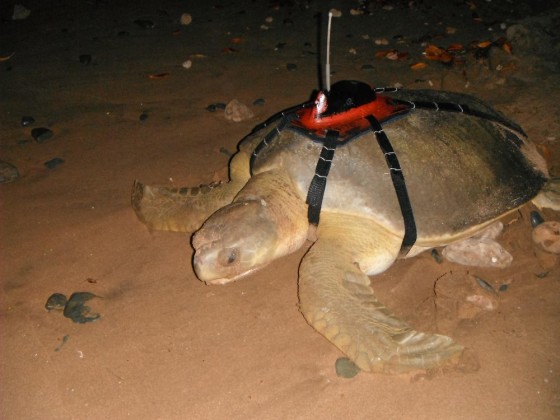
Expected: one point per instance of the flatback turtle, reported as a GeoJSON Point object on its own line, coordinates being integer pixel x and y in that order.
{"type": "Point", "coordinates": [369, 175]}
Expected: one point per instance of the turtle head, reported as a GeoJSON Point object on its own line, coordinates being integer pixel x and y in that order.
{"type": "Point", "coordinates": [235, 241]}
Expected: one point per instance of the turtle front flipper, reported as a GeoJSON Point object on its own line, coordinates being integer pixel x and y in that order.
{"type": "Point", "coordinates": [185, 209]}
{"type": "Point", "coordinates": [336, 298]}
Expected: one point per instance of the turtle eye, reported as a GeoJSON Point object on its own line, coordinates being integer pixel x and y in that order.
{"type": "Point", "coordinates": [228, 256]}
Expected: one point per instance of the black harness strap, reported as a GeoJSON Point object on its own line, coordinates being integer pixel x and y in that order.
{"type": "Point", "coordinates": [398, 182]}
{"type": "Point", "coordinates": [270, 137]}
{"type": "Point", "coordinates": [463, 109]}
{"type": "Point", "coordinates": [281, 114]}
{"type": "Point", "coordinates": [319, 182]}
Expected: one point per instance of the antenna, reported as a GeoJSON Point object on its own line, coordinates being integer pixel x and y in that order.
{"type": "Point", "coordinates": [328, 55]}
{"type": "Point", "coordinates": [335, 13]}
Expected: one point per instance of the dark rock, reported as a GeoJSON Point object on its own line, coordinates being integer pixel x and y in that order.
{"type": "Point", "coordinates": [291, 66]}
{"type": "Point", "coordinates": [53, 163]}
{"type": "Point", "coordinates": [76, 310]}
{"type": "Point", "coordinates": [536, 219]}
{"type": "Point", "coordinates": [41, 134]}
{"type": "Point", "coordinates": [485, 285]}
{"type": "Point", "coordinates": [436, 256]}
{"type": "Point", "coordinates": [346, 368]}
{"type": "Point", "coordinates": [85, 58]}
{"type": "Point", "coordinates": [145, 23]}
{"type": "Point", "coordinates": [63, 342]}
{"type": "Point", "coordinates": [27, 120]}
{"type": "Point", "coordinates": [215, 106]}
{"type": "Point", "coordinates": [56, 301]}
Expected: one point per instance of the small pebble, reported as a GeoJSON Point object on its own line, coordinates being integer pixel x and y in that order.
{"type": "Point", "coordinates": [143, 117]}
{"type": "Point", "coordinates": [63, 342]}
{"type": "Point", "coordinates": [536, 219]}
{"type": "Point", "coordinates": [8, 172]}
{"type": "Point", "coordinates": [53, 163]}
{"type": "Point", "coordinates": [503, 288]}
{"type": "Point", "coordinates": [484, 284]}
{"type": "Point", "coordinates": [27, 120]}
{"type": "Point", "coordinates": [41, 134]}
{"type": "Point", "coordinates": [20, 12]}
{"type": "Point", "coordinates": [85, 58]}
{"type": "Point", "coordinates": [237, 111]}
{"type": "Point", "coordinates": [259, 101]}
{"type": "Point", "coordinates": [144, 23]}
{"type": "Point", "coordinates": [56, 301]}
{"type": "Point", "coordinates": [215, 106]}
{"type": "Point", "coordinates": [187, 64]}
{"type": "Point", "coordinates": [436, 256]}
{"type": "Point", "coordinates": [346, 368]}
{"type": "Point", "coordinates": [186, 19]}
{"type": "Point", "coordinates": [291, 66]}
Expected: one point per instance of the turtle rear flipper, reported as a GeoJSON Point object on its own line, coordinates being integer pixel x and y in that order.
{"type": "Point", "coordinates": [185, 209]}
{"type": "Point", "coordinates": [178, 209]}
{"type": "Point", "coordinates": [549, 196]}
{"type": "Point", "coordinates": [336, 298]}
